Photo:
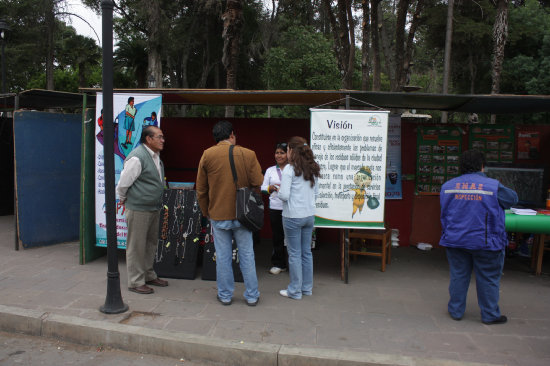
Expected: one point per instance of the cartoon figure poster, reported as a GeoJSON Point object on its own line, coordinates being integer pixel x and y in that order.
{"type": "Point", "coordinates": [351, 148]}
{"type": "Point", "coordinates": [131, 112]}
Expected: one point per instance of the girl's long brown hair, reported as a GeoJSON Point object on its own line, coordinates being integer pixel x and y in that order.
{"type": "Point", "coordinates": [302, 159]}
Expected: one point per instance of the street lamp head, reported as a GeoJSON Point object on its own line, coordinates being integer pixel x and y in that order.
{"type": "Point", "coordinates": [151, 82]}
{"type": "Point", "coordinates": [4, 28]}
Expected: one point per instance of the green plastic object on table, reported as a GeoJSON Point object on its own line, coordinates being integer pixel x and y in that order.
{"type": "Point", "coordinates": [536, 224]}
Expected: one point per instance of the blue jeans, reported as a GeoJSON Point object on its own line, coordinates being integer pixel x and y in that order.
{"type": "Point", "coordinates": [300, 261]}
{"type": "Point", "coordinates": [487, 265]}
{"type": "Point", "coordinates": [224, 233]}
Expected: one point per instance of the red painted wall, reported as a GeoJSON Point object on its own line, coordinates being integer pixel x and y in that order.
{"type": "Point", "coordinates": [186, 139]}
{"type": "Point", "coordinates": [427, 227]}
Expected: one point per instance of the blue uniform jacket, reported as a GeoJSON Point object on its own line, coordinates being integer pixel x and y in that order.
{"type": "Point", "coordinates": [472, 212]}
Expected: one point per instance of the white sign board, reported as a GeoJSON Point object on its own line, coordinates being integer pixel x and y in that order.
{"type": "Point", "coordinates": [350, 146]}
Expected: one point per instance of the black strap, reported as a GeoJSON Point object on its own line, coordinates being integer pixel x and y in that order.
{"type": "Point", "coordinates": [232, 162]}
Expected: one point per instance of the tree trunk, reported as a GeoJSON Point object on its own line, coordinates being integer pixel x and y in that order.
{"type": "Point", "coordinates": [154, 42]}
{"type": "Point", "coordinates": [376, 66]}
{"type": "Point", "coordinates": [500, 35]}
{"type": "Point", "coordinates": [327, 4]}
{"type": "Point", "coordinates": [351, 57]}
{"type": "Point", "coordinates": [401, 19]}
{"type": "Point", "coordinates": [82, 74]}
{"type": "Point", "coordinates": [405, 75]}
{"type": "Point", "coordinates": [232, 26]}
{"type": "Point", "coordinates": [207, 64]}
{"type": "Point", "coordinates": [344, 39]}
{"type": "Point", "coordinates": [448, 43]}
{"type": "Point", "coordinates": [472, 68]}
{"type": "Point", "coordinates": [386, 47]}
{"type": "Point", "coordinates": [447, 57]}
{"type": "Point", "coordinates": [365, 45]}
{"type": "Point", "coordinates": [50, 29]}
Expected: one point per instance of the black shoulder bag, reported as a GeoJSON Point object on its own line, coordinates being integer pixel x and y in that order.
{"type": "Point", "coordinates": [249, 203]}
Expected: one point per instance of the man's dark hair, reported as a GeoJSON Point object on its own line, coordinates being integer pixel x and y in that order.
{"type": "Point", "coordinates": [147, 131]}
{"type": "Point", "coordinates": [130, 99]}
{"type": "Point", "coordinates": [471, 161]}
{"type": "Point", "coordinates": [222, 130]}
{"type": "Point", "coordinates": [154, 114]}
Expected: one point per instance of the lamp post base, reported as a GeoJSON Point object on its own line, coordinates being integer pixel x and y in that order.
{"type": "Point", "coordinates": [113, 301]}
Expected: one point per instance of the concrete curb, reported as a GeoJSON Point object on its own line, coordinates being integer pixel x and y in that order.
{"type": "Point", "coordinates": [303, 356]}
{"type": "Point", "coordinates": [194, 347]}
{"type": "Point", "coordinates": [163, 343]}
{"type": "Point", "coordinates": [18, 320]}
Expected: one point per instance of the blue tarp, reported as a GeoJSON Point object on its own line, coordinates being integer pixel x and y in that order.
{"type": "Point", "coordinates": [47, 159]}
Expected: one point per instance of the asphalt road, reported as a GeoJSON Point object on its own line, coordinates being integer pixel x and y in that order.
{"type": "Point", "coordinates": [17, 349]}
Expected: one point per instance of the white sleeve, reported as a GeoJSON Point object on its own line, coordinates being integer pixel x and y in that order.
{"type": "Point", "coordinates": [129, 174]}
{"type": "Point", "coordinates": [267, 179]}
{"type": "Point", "coordinates": [286, 182]}
{"type": "Point", "coordinates": [316, 189]}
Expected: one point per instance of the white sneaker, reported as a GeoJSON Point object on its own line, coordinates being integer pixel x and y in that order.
{"type": "Point", "coordinates": [283, 293]}
{"type": "Point", "coordinates": [276, 270]}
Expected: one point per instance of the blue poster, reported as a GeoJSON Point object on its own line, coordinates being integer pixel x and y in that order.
{"type": "Point", "coordinates": [394, 190]}
{"type": "Point", "coordinates": [131, 113]}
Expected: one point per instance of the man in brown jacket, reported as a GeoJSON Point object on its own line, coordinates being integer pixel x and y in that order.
{"type": "Point", "coordinates": [216, 193]}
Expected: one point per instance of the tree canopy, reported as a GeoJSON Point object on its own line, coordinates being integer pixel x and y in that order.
{"type": "Point", "coordinates": [286, 44]}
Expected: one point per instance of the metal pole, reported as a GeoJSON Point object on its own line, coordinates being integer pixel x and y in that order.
{"type": "Point", "coordinates": [3, 70]}
{"type": "Point", "coordinates": [346, 231]}
{"type": "Point", "coordinates": [346, 255]}
{"type": "Point", "coordinates": [113, 301]}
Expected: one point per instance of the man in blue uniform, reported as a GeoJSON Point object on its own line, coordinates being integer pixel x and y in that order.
{"type": "Point", "coordinates": [472, 220]}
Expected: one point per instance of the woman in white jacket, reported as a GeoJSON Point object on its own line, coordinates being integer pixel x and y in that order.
{"type": "Point", "coordinates": [299, 187]}
{"type": "Point", "coordinates": [272, 182]}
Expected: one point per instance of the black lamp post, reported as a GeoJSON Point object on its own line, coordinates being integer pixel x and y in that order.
{"type": "Point", "coordinates": [3, 32]}
{"type": "Point", "coordinates": [113, 301]}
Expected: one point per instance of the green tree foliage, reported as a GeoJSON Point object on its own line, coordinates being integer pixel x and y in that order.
{"type": "Point", "coordinates": [541, 84]}
{"type": "Point", "coordinates": [76, 58]}
{"type": "Point", "coordinates": [131, 63]}
{"type": "Point", "coordinates": [303, 60]}
{"type": "Point", "coordinates": [529, 25]}
{"type": "Point", "coordinates": [526, 68]}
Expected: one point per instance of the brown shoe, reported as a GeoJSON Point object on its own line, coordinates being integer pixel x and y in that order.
{"type": "Point", "coordinates": [143, 289]}
{"type": "Point", "coordinates": [157, 282]}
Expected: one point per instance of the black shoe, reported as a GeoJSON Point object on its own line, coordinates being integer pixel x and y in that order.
{"type": "Point", "coordinates": [253, 303]}
{"type": "Point", "coordinates": [224, 302]}
{"type": "Point", "coordinates": [500, 320]}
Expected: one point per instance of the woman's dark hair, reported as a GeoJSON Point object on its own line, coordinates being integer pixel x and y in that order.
{"type": "Point", "coordinates": [471, 161]}
{"type": "Point", "coordinates": [222, 130]}
{"type": "Point", "coordinates": [147, 131]}
{"type": "Point", "coordinates": [130, 99]}
{"type": "Point", "coordinates": [281, 145]}
{"type": "Point", "coordinates": [303, 160]}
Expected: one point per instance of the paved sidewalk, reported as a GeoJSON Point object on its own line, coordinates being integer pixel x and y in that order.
{"type": "Point", "coordinates": [397, 317]}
